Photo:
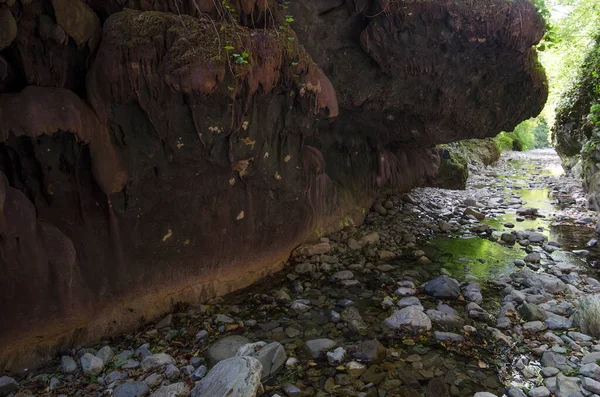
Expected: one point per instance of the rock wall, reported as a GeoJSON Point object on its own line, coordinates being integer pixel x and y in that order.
{"type": "Point", "coordinates": [162, 151]}
{"type": "Point", "coordinates": [576, 132]}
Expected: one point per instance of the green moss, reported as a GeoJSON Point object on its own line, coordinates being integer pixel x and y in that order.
{"type": "Point", "coordinates": [189, 38]}
{"type": "Point", "coordinates": [455, 254]}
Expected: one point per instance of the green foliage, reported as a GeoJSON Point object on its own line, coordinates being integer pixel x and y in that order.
{"type": "Point", "coordinates": [594, 115]}
{"type": "Point", "coordinates": [240, 59]}
{"type": "Point", "coordinates": [504, 142]}
{"type": "Point", "coordinates": [530, 134]}
{"type": "Point", "coordinates": [572, 26]}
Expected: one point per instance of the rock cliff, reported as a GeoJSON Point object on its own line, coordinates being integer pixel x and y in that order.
{"type": "Point", "coordinates": [163, 151]}
{"type": "Point", "coordinates": [576, 131]}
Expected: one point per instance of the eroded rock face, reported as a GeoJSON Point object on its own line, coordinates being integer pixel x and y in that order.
{"type": "Point", "coordinates": [157, 166]}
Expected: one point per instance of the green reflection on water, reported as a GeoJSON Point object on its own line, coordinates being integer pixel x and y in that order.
{"type": "Point", "coordinates": [537, 198]}
{"type": "Point", "coordinates": [456, 253]}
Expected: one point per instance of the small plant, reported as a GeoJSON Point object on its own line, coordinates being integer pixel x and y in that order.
{"type": "Point", "coordinates": [587, 315]}
{"type": "Point", "coordinates": [240, 59]}
{"type": "Point", "coordinates": [595, 114]}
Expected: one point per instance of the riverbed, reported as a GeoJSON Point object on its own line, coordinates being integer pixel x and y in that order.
{"type": "Point", "coordinates": [357, 313]}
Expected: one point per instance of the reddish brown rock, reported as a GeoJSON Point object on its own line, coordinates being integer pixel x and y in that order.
{"type": "Point", "coordinates": [159, 167]}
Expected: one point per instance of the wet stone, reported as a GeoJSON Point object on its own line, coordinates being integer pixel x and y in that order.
{"type": "Point", "coordinates": [355, 369]}
{"type": "Point", "coordinates": [409, 318]}
{"type": "Point", "coordinates": [352, 316]}
{"type": "Point", "coordinates": [442, 287]}
{"type": "Point", "coordinates": [370, 352]}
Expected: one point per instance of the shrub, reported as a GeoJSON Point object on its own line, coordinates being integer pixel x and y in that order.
{"type": "Point", "coordinates": [530, 134]}
{"type": "Point", "coordinates": [587, 315]}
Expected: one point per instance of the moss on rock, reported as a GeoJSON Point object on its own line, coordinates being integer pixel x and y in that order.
{"type": "Point", "coordinates": [458, 156]}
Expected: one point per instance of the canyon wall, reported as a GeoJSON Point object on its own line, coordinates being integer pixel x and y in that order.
{"type": "Point", "coordinates": [165, 151]}
{"type": "Point", "coordinates": [576, 132]}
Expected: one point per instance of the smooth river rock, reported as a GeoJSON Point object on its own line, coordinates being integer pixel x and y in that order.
{"type": "Point", "coordinates": [236, 376]}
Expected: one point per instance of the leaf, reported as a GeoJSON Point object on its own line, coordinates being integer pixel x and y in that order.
{"type": "Point", "coordinates": [230, 88]}
{"type": "Point", "coordinates": [244, 54]}
{"type": "Point", "coordinates": [229, 47]}
{"type": "Point", "coordinates": [294, 63]}
{"type": "Point", "coordinates": [235, 55]}
{"type": "Point", "coordinates": [291, 39]}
